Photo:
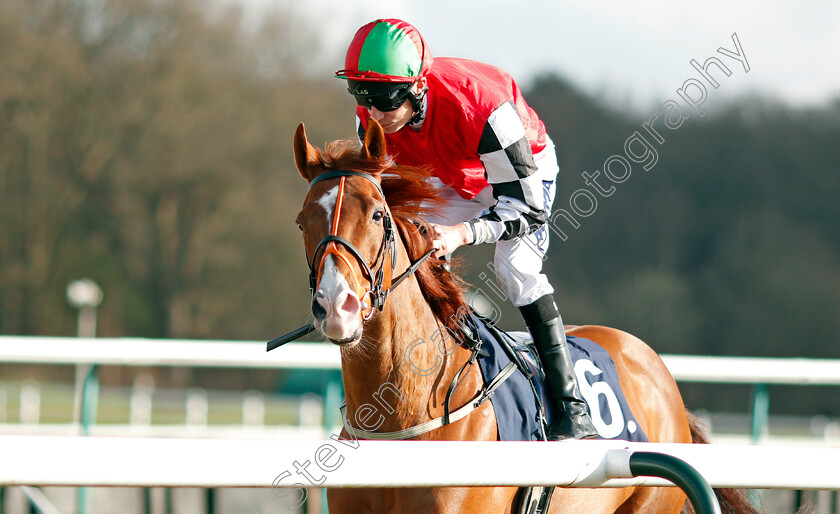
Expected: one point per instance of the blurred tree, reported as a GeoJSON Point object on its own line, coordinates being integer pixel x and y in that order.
{"type": "Point", "coordinates": [148, 144]}
{"type": "Point", "coordinates": [773, 289]}
{"type": "Point", "coordinates": [658, 307]}
{"type": "Point", "coordinates": [43, 75]}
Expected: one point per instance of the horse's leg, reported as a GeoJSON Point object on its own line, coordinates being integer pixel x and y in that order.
{"type": "Point", "coordinates": [653, 499]}
{"type": "Point", "coordinates": [342, 500]}
{"type": "Point", "coordinates": [457, 500]}
{"type": "Point", "coordinates": [441, 500]}
{"type": "Point", "coordinates": [590, 501]}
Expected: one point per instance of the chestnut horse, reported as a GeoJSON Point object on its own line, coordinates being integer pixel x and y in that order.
{"type": "Point", "coordinates": [360, 224]}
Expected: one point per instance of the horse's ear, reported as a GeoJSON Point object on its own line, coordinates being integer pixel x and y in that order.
{"type": "Point", "coordinates": [374, 146]}
{"type": "Point", "coordinates": [306, 155]}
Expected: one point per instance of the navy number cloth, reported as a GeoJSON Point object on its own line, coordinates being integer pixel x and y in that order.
{"type": "Point", "coordinates": [517, 401]}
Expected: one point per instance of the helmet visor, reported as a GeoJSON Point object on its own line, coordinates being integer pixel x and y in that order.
{"type": "Point", "coordinates": [385, 96]}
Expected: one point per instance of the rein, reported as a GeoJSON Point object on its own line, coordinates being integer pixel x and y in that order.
{"type": "Point", "coordinates": [375, 275]}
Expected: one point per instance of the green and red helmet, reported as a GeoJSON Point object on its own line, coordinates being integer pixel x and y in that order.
{"type": "Point", "coordinates": [387, 50]}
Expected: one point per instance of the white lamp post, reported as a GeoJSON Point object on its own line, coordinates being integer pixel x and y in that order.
{"type": "Point", "coordinates": [85, 295]}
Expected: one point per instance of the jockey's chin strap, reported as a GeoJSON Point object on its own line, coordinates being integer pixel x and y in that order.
{"type": "Point", "coordinates": [374, 273]}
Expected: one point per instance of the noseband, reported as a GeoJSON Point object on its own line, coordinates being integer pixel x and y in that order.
{"type": "Point", "coordinates": [374, 273]}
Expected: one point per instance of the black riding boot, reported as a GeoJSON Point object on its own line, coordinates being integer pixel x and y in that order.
{"type": "Point", "coordinates": [546, 327]}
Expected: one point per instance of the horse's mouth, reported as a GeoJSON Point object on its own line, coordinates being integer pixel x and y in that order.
{"type": "Point", "coordinates": [347, 340]}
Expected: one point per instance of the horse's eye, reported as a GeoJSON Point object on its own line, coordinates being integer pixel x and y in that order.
{"type": "Point", "coordinates": [378, 215]}
{"type": "Point", "coordinates": [299, 227]}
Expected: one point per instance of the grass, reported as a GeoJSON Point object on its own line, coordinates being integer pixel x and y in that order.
{"type": "Point", "coordinates": [169, 407]}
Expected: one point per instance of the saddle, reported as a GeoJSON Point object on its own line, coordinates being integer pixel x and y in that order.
{"type": "Point", "coordinates": [519, 400]}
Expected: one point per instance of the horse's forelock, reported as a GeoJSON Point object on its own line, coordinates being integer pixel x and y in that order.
{"type": "Point", "coordinates": [407, 189]}
{"type": "Point", "coordinates": [346, 154]}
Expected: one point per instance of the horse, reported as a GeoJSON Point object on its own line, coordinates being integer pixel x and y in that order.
{"type": "Point", "coordinates": [378, 299]}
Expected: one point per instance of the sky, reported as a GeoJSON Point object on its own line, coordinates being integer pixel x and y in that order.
{"type": "Point", "coordinates": [633, 53]}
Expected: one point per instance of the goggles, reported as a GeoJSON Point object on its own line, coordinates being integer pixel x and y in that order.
{"type": "Point", "coordinates": [385, 97]}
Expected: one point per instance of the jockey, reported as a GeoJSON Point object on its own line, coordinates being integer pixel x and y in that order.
{"type": "Point", "coordinates": [494, 165]}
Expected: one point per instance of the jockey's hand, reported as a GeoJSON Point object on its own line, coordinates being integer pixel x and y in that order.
{"type": "Point", "coordinates": [446, 238]}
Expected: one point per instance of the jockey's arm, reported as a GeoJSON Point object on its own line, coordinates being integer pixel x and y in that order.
{"type": "Point", "coordinates": [508, 219]}
{"type": "Point", "coordinates": [512, 172]}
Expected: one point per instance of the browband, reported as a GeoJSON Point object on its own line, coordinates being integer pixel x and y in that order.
{"type": "Point", "coordinates": [344, 173]}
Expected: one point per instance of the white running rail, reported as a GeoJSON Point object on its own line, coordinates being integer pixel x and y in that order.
{"type": "Point", "coordinates": [251, 354]}
{"type": "Point", "coordinates": [153, 462]}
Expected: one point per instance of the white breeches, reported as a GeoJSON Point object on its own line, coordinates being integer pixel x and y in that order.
{"type": "Point", "coordinates": [518, 262]}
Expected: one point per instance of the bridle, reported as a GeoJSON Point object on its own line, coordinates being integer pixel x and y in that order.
{"type": "Point", "coordinates": [378, 292]}
{"type": "Point", "coordinates": [374, 273]}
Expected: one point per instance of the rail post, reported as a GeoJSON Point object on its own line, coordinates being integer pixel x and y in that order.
{"type": "Point", "coordinates": [88, 407]}
{"type": "Point", "coordinates": [760, 414]}
{"type": "Point", "coordinates": [683, 475]}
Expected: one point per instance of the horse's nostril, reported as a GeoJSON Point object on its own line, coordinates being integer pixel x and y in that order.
{"type": "Point", "coordinates": [318, 310]}
{"type": "Point", "coordinates": [350, 304]}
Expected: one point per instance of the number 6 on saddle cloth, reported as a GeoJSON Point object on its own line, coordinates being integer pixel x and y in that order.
{"type": "Point", "coordinates": [518, 402]}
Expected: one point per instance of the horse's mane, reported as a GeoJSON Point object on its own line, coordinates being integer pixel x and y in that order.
{"type": "Point", "coordinates": [409, 196]}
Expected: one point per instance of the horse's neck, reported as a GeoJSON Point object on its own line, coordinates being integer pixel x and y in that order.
{"type": "Point", "coordinates": [398, 374]}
